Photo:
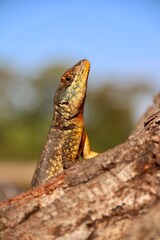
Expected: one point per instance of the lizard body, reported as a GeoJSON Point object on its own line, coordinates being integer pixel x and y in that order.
{"type": "Point", "coordinates": [67, 139]}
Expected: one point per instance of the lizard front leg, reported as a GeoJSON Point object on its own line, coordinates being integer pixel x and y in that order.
{"type": "Point", "coordinates": [86, 150]}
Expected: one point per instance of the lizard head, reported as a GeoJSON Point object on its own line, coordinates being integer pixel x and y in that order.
{"type": "Point", "coordinates": [70, 96]}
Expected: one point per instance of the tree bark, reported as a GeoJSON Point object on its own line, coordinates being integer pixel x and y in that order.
{"type": "Point", "coordinates": [114, 195]}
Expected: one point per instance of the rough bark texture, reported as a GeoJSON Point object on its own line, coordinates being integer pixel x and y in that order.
{"type": "Point", "coordinates": [112, 196]}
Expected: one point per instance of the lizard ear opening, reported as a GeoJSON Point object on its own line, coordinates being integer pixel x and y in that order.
{"type": "Point", "coordinates": [64, 103]}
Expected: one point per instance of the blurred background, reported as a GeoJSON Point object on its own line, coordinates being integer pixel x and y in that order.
{"type": "Point", "coordinates": [39, 40]}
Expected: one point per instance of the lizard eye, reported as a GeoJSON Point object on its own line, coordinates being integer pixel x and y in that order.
{"type": "Point", "coordinates": [68, 78]}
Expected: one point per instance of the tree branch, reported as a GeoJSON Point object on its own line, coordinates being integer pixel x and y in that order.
{"type": "Point", "coordinates": [101, 198]}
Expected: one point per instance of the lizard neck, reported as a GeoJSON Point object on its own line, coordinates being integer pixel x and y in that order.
{"type": "Point", "coordinates": [60, 121]}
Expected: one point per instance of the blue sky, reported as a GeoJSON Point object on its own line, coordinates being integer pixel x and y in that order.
{"type": "Point", "coordinates": [118, 37]}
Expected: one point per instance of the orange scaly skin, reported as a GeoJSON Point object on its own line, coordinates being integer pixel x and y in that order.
{"type": "Point", "coordinates": [67, 139]}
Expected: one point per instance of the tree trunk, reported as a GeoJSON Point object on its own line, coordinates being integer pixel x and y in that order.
{"type": "Point", "coordinates": [114, 195]}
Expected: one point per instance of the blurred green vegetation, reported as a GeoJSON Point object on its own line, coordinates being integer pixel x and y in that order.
{"type": "Point", "coordinates": [26, 106]}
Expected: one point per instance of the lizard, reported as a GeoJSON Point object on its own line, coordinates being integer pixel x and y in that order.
{"type": "Point", "coordinates": [67, 139]}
